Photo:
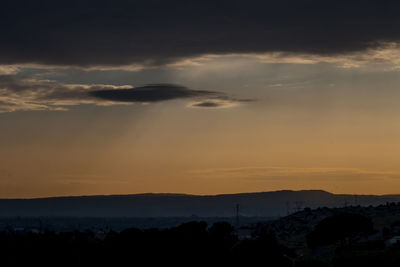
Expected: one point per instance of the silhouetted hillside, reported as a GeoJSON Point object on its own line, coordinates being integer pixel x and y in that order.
{"type": "Point", "coordinates": [266, 204]}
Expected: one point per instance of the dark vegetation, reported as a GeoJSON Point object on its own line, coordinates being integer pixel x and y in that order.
{"type": "Point", "coordinates": [190, 244]}
{"type": "Point", "coordinates": [341, 237]}
{"type": "Point", "coordinates": [341, 227]}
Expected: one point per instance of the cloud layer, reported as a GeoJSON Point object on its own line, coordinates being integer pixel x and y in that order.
{"type": "Point", "coordinates": [28, 93]}
{"type": "Point", "coordinates": [154, 32]}
{"type": "Point", "coordinates": [153, 93]}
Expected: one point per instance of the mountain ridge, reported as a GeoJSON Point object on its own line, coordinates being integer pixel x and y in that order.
{"type": "Point", "coordinates": [183, 194]}
{"type": "Point", "coordinates": [268, 204]}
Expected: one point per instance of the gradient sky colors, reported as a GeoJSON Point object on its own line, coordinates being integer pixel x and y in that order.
{"type": "Point", "coordinates": [210, 97]}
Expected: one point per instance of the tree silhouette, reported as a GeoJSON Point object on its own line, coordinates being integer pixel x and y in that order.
{"type": "Point", "coordinates": [339, 227]}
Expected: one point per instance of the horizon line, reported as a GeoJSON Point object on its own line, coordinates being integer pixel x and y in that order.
{"type": "Point", "coordinates": [193, 195]}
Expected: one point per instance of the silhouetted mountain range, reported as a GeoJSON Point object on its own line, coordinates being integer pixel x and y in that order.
{"type": "Point", "coordinates": [264, 204]}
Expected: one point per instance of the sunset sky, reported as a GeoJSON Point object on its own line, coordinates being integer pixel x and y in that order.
{"type": "Point", "coordinates": [199, 97]}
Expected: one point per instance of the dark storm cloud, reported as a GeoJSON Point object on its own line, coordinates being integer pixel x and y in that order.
{"type": "Point", "coordinates": [153, 93]}
{"type": "Point", "coordinates": [155, 32]}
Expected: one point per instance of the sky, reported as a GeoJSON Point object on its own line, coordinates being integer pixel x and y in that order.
{"type": "Point", "coordinates": [199, 97]}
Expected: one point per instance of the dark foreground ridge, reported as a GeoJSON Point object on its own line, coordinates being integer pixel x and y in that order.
{"type": "Point", "coordinates": [264, 204]}
{"type": "Point", "coordinates": [331, 237]}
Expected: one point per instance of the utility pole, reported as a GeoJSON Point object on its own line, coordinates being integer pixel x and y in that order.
{"type": "Point", "coordinates": [298, 205]}
{"type": "Point", "coordinates": [287, 207]}
{"type": "Point", "coordinates": [237, 216]}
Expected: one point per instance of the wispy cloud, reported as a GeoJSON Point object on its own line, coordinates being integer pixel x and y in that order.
{"type": "Point", "coordinates": [285, 173]}
{"type": "Point", "coordinates": [224, 102]}
{"type": "Point", "coordinates": [386, 56]}
{"type": "Point", "coordinates": [28, 93]}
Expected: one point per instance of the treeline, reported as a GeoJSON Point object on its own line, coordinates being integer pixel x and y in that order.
{"type": "Point", "coordinates": [349, 236]}
{"type": "Point", "coordinates": [190, 244]}
{"type": "Point", "coordinates": [354, 242]}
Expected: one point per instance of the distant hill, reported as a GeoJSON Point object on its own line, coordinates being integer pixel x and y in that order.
{"type": "Point", "coordinates": [263, 204]}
